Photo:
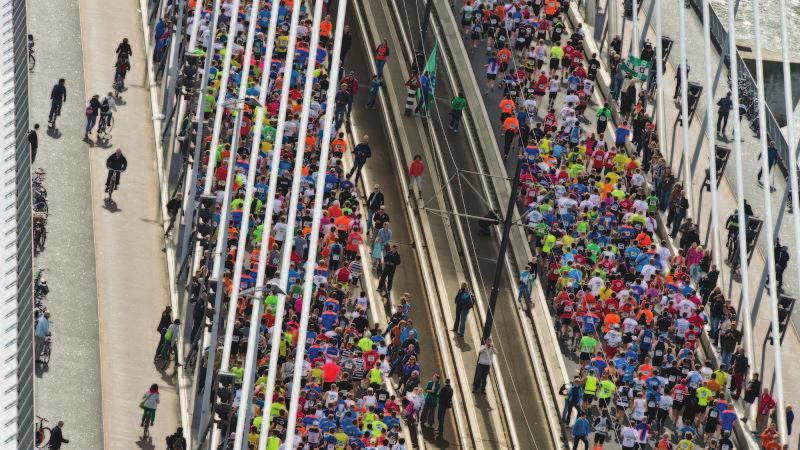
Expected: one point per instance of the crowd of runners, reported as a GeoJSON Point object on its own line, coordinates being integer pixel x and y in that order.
{"type": "Point", "coordinates": [629, 308]}
{"type": "Point", "coordinates": [359, 380]}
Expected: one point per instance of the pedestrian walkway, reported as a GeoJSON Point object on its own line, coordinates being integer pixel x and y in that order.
{"type": "Point", "coordinates": [112, 313]}
{"type": "Point", "coordinates": [68, 388]}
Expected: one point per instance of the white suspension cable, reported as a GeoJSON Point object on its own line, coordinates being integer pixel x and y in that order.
{"type": "Point", "coordinates": [319, 193]}
{"type": "Point", "coordinates": [288, 243]}
{"type": "Point", "coordinates": [773, 288]}
{"type": "Point", "coordinates": [251, 175]}
{"type": "Point", "coordinates": [792, 138]}
{"type": "Point", "coordinates": [257, 302]}
{"type": "Point", "coordinates": [687, 172]}
{"type": "Point", "coordinates": [635, 28]}
{"type": "Point", "coordinates": [747, 325]}
{"type": "Point", "coordinates": [660, 116]}
{"type": "Point", "coordinates": [223, 92]}
{"type": "Point", "coordinates": [267, 225]}
{"type": "Point", "coordinates": [711, 136]}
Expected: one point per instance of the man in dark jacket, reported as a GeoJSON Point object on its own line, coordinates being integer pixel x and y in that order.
{"type": "Point", "coordinates": [361, 153]}
{"type": "Point", "coordinates": [116, 164]}
{"type": "Point", "coordinates": [57, 98]}
{"type": "Point", "coordinates": [173, 208]}
{"type": "Point", "coordinates": [33, 141]}
{"type": "Point", "coordinates": [445, 403]}
{"type": "Point", "coordinates": [57, 437]}
{"type": "Point", "coordinates": [374, 203]}
{"type": "Point", "coordinates": [347, 41]}
{"type": "Point", "coordinates": [464, 302]}
{"type": "Point", "coordinates": [390, 262]}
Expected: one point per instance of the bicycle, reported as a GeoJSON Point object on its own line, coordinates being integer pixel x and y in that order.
{"type": "Point", "coordinates": [39, 231]}
{"type": "Point", "coordinates": [47, 349]}
{"type": "Point", "coordinates": [162, 359]}
{"type": "Point", "coordinates": [31, 58]}
{"type": "Point", "coordinates": [146, 422]}
{"type": "Point", "coordinates": [42, 433]}
{"type": "Point", "coordinates": [104, 127]}
{"type": "Point", "coordinates": [119, 83]}
{"type": "Point", "coordinates": [112, 184]}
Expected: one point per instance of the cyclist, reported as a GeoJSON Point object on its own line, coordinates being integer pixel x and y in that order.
{"type": "Point", "coordinates": [57, 97]}
{"type": "Point", "coordinates": [169, 342]}
{"type": "Point", "coordinates": [116, 164]}
{"type": "Point", "coordinates": [149, 404]}
{"type": "Point", "coordinates": [124, 48]}
{"type": "Point", "coordinates": [108, 105]}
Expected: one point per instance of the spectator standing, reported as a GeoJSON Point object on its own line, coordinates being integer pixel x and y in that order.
{"type": "Point", "coordinates": [374, 87]}
{"type": "Point", "coordinates": [374, 203]}
{"type": "Point", "coordinates": [457, 106]}
{"type": "Point", "coordinates": [765, 406]}
{"type": "Point", "coordinates": [751, 394]}
{"type": "Point", "coordinates": [415, 171]}
{"type": "Point", "coordinates": [390, 262]}
{"type": "Point", "coordinates": [173, 208]}
{"type": "Point", "coordinates": [432, 389]}
{"type": "Point", "coordinates": [464, 302]}
{"type": "Point", "coordinates": [445, 403]}
{"type": "Point", "coordinates": [41, 332]}
{"type": "Point", "coordinates": [580, 431]}
{"type": "Point", "coordinates": [33, 141]}
{"type": "Point", "coordinates": [381, 54]}
{"type": "Point", "coordinates": [573, 397]}
{"type": "Point", "coordinates": [176, 441]}
{"type": "Point", "coordinates": [724, 106]}
{"type": "Point", "coordinates": [678, 73]}
{"type": "Point", "coordinates": [347, 41]}
{"type": "Point", "coordinates": [484, 365]}
{"type": "Point", "coordinates": [425, 89]}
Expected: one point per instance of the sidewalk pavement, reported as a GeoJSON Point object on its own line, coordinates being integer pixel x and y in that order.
{"type": "Point", "coordinates": [132, 273]}
{"type": "Point", "coordinates": [726, 198]}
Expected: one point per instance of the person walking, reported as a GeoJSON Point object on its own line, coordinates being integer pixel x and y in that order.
{"type": "Point", "coordinates": [781, 262]}
{"type": "Point", "coordinates": [772, 158]}
{"type": "Point", "coordinates": [390, 262]}
{"type": "Point", "coordinates": [33, 141]}
{"type": "Point", "coordinates": [724, 106]}
{"type": "Point", "coordinates": [445, 403]}
{"type": "Point", "coordinates": [484, 365]}
{"type": "Point", "coordinates": [415, 171]}
{"type": "Point", "coordinates": [426, 90]}
{"type": "Point", "coordinates": [361, 153]}
{"type": "Point", "coordinates": [58, 95]}
{"type": "Point", "coordinates": [381, 54]}
{"type": "Point", "coordinates": [432, 389]}
{"type": "Point", "coordinates": [580, 431]}
{"type": "Point", "coordinates": [173, 208]}
{"type": "Point", "coordinates": [57, 437]}
{"type": "Point", "coordinates": [464, 301]}
{"type": "Point", "coordinates": [92, 110]}
{"type": "Point", "coordinates": [457, 106]}
{"type": "Point", "coordinates": [374, 87]}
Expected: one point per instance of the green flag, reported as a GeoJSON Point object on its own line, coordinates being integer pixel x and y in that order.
{"type": "Point", "coordinates": [637, 68]}
{"type": "Point", "coordinates": [430, 68]}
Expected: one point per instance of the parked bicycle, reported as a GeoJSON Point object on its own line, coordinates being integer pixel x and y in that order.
{"type": "Point", "coordinates": [42, 433]}
{"type": "Point", "coordinates": [31, 50]}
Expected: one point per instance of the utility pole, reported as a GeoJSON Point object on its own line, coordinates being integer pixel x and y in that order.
{"type": "Point", "coordinates": [498, 270]}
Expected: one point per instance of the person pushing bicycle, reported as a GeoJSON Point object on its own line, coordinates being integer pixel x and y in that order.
{"type": "Point", "coordinates": [108, 105]}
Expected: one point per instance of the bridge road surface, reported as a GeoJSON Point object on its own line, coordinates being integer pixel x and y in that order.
{"type": "Point", "coordinates": [107, 271]}
{"type": "Point", "coordinates": [523, 394]}
{"type": "Point", "coordinates": [380, 170]}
